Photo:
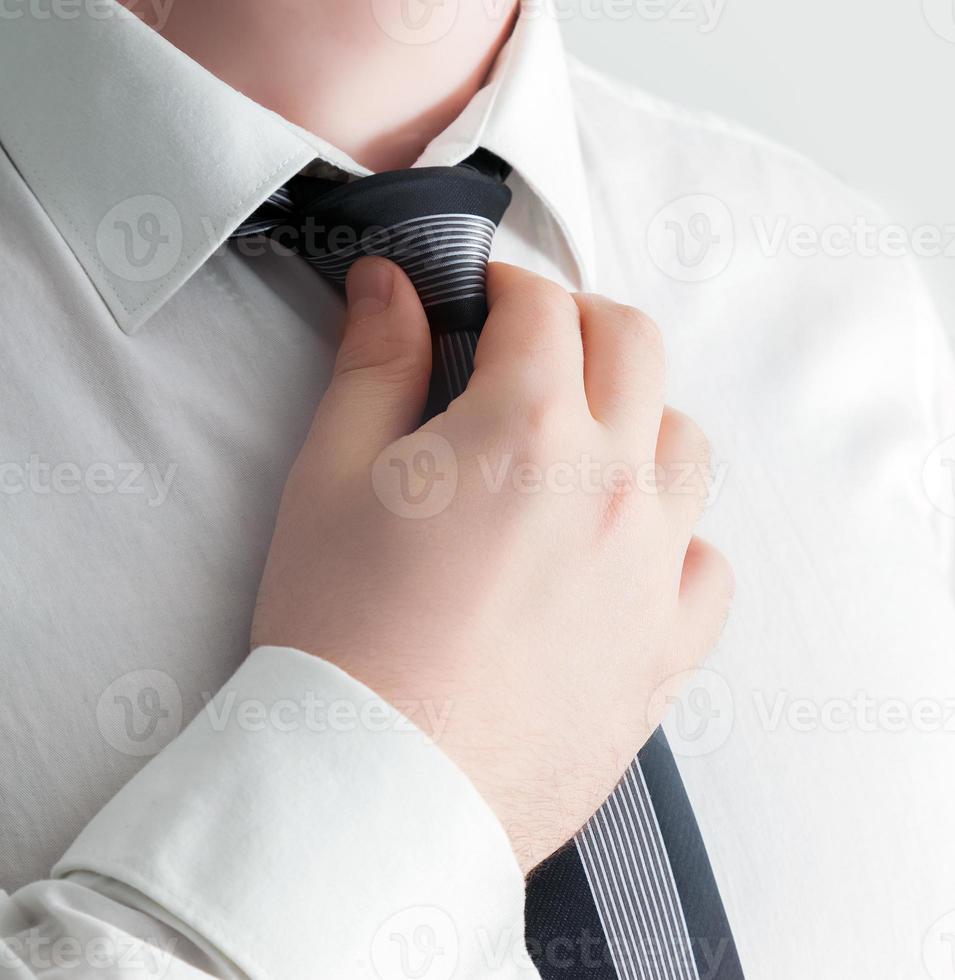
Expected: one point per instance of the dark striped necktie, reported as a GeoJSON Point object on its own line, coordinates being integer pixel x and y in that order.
{"type": "Point", "coordinates": [634, 895]}
{"type": "Point", "coordinates": [437, 223]}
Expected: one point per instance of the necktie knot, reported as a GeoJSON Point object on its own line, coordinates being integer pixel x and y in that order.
{"type": "Point", "coordinates": [436, 223]}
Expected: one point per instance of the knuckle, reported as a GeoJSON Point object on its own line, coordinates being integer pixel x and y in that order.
{"type": "Point", "coordinates": [640, 327]}
{"type": "Point", "coordinates": [691, 499]}
{"type": "Point", "coordinates": [724, 578]}
{"type": "Point", "coordinates": [717, 572]}
{"type": "Point", "coordinates": [685, 454]}
{"type": "Point", "coordinates": [644, 333]}
{"type": "Point", "coordinates": [547, 299]}
{"type": "Point", "coordinates": [690, 443]}
{"type": "Point", "coordinates": [544, 419]}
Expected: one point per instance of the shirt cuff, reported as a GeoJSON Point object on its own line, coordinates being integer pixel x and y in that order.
{"type": "Point", "coordinates": [305, 828]}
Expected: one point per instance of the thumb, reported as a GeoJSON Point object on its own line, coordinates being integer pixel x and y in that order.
{"type": "Point", "coordinates": [380, 383]}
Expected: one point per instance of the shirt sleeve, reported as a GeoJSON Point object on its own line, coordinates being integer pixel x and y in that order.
{"type": "Point", "coordinates": [299, 827]}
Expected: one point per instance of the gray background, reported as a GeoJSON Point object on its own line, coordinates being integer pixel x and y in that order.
{"type": "Point", "coordinates": [864, 87]}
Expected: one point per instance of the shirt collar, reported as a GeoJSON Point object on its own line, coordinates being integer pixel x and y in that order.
{"type": "Point", "coordinates": [145, 168]}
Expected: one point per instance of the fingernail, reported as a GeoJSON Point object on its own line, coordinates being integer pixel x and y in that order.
{"type": "Point", "coordinates": [369, 286]}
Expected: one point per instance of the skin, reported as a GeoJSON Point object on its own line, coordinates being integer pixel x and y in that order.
{"type": "Point", "coordinates": [507, 630]}
{"type": "Point", "coordinates": [352, 71]}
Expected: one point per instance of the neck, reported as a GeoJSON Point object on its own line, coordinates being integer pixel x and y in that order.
{"type": "Point", "coordinates": [355, 73]}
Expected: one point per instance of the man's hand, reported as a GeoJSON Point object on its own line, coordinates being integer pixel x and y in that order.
{"type": "Point", "coordinates": [525, 559]}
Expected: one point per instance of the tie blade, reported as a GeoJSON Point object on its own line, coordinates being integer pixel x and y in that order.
{"type": "Point", "coordinates": [453, 362]}
{"type": "Point", "coordinates": [711, 937]}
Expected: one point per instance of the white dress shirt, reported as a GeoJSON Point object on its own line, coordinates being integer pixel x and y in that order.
{"type": "Point", "coordinates": [156, 387]}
